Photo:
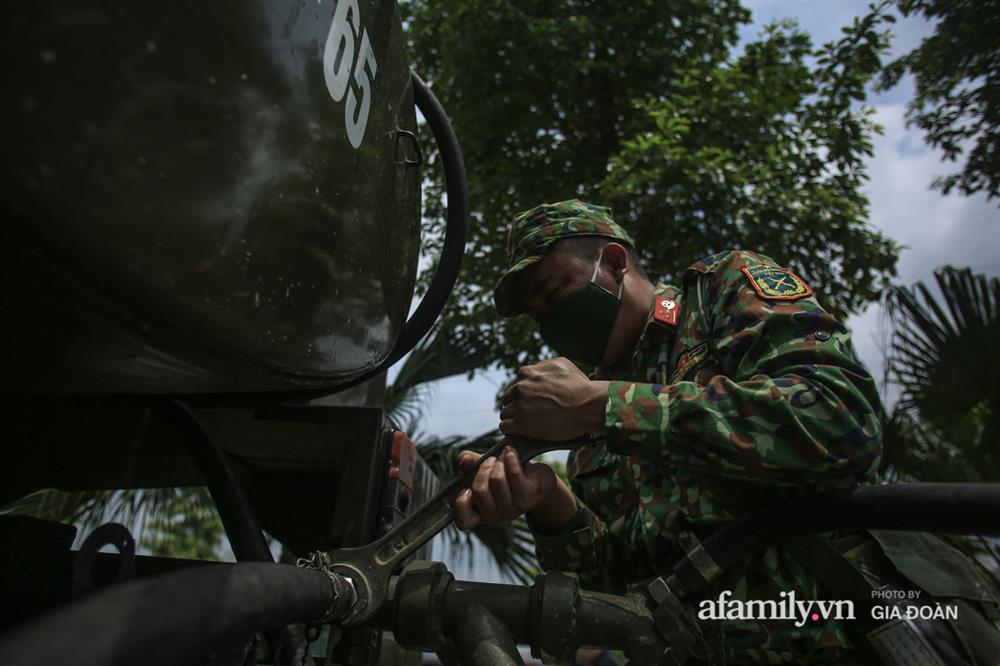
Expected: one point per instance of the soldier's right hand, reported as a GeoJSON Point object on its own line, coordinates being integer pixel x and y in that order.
{"type": "Point", "coordinates": [502, 490]}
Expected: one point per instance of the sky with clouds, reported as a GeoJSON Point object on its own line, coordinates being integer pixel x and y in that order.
{"type": "Point", "coordinates": [934, 230]}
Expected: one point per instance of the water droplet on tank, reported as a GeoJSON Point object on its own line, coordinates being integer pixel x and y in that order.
{"type": "Point", "coordinates": [48, 56]}
{"type": "Point", "coordinates": [150, 46]}
{"type": "Point", "coordinates": [244, 76]}
{"type": "Point", "coordinates": [212, 80]}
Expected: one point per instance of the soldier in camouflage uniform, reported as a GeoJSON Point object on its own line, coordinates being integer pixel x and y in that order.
{"type": "Point", "coordinates": [725, 394]}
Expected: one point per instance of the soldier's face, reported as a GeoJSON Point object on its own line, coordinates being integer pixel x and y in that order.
{"type": "Point", "coordinates": [547, 282]}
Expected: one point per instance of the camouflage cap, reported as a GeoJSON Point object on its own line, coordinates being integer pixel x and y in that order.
{"type": "Point", "coordinates": [533, 232]}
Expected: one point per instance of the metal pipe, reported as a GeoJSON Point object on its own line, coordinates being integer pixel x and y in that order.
{"type": "Point", "coordinates": [242, 529]}
{"type": "Point", "coordinates": [612, 622]}
{"type": "Point", "coordinates": [511, 604]}
{"type": "Point", "coordinates": [429, 610]}
{"type": "Point", "coordinates": [481, 639]}
{"type": "Point", "coordinates": [603, 620]}
{"type": "Point", "coordinates": [176, 618]}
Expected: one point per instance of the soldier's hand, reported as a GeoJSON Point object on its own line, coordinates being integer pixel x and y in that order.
{"type": "Point", "coordinates": [553, 400]}
{"type": "Point", "coordinates": [502, 490]}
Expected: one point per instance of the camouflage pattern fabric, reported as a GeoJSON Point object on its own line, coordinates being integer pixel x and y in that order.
{"type": "Point", "coordinates": [755, 396]}
{"type": "Point", "coordinates": [534, 231]}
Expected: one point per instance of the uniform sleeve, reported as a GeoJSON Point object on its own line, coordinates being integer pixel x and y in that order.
{"type": "Point", "coordinates": [577, 547]}
{"type": "Point", "coordinates": [791, 404]}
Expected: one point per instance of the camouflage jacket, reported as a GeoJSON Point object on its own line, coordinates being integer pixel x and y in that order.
{"type": "Point", "coordinates": [744, 393]}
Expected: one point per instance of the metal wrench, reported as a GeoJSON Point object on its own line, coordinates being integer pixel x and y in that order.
{"type": "Point", "coordinates": [368, 568]}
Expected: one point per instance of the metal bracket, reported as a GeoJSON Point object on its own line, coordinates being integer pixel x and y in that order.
{"type": "Point", "coordinates": [702, 562]}
{"type": "Point", "coordinates": [412, 138]}
{"type": "Point", "coordinates": [683, 637]}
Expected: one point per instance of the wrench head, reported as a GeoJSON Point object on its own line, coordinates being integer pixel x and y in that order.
{"type": "Point", "coordinates": [368, 584]}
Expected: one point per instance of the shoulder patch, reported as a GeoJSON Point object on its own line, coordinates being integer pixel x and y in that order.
{"type": "Point", "coordinates": [776, 283]}
{"type": "Point", "coordinates": [665, 311]}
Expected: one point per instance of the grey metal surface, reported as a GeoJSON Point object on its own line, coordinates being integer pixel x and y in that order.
{"type": "Point", "coordinates": [188, 207]}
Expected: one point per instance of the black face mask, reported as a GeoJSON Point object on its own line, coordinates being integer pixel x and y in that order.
{"type": "Point", "coordinates": [579, 326]}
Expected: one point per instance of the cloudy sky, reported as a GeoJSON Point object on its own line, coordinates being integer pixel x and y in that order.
{"type": "Point", "coordinates": [934, 230]}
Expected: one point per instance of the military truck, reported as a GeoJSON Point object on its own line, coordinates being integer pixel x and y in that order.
{"type": "Point", "coordinates": [212, 214]}
{"type": "Point", "coordinates": [211, 232]}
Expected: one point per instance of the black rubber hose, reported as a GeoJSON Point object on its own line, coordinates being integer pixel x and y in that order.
{"type": "Point", "coordinates": [955, 508]}
{"type": "Point", "coordinates": [171, 620]}
{"type": "Point", "coordinates": [242, 529]}
{"type": "Point", "coordinates": [456, 226]}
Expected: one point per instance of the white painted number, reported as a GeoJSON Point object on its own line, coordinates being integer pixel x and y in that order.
{"type": "Point", "coordinates": [356, 123]}
{"type": "Point", "coordinates": [341, 62]}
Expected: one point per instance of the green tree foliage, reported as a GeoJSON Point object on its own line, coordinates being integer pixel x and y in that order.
{"type": "Point", "coordinates": [705, 151]}
{"type": "Point", "coordinates": [175, 522]}
{"type": "Point", "coordinates": [765, 153]}
{"type": "Point", "coordinates": [957, 75]}
{"type": "Point", "coordinates": [187, 525]}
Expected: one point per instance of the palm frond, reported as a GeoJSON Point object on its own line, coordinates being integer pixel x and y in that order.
{"type": "Point", "coordinates": [944, 355]}
{"type": "Point", "coordinates": [436, 357]}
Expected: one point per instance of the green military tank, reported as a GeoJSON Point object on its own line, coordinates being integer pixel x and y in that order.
{"type": "Point", "coordinates": [206, 198]}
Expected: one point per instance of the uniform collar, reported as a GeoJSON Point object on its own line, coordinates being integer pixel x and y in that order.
{"type": "Point", "coordinates": [661, 325]}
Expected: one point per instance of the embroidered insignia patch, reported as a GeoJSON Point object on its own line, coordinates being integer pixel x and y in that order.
{"type": "Point", "coordinates": [776, 283]}
{"type": "Point", "coordinates": [689, 360]}
{"type": "Point", "coordinates": [665, 311]}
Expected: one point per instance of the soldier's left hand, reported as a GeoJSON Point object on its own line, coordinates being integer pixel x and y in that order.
{"type": "Point", "coordinates": [553, 400]}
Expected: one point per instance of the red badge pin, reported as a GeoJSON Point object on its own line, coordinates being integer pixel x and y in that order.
{"type": "Point", "coordinates": [665, 311]}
